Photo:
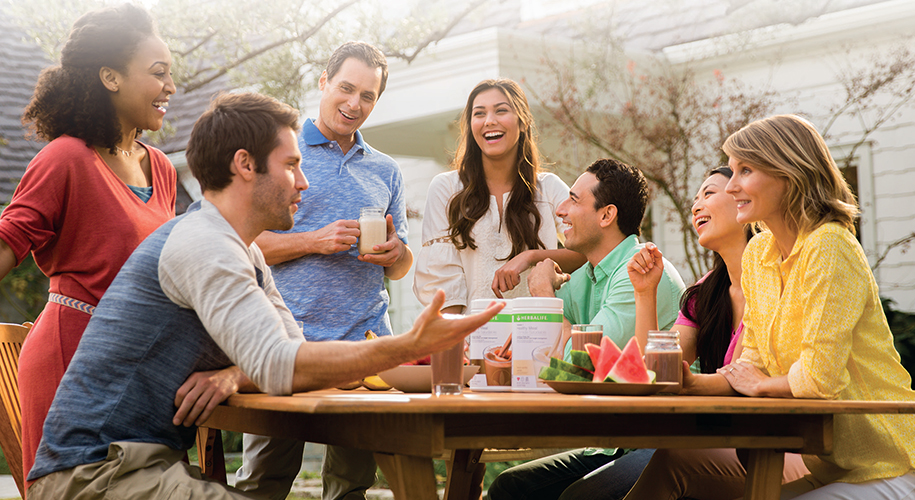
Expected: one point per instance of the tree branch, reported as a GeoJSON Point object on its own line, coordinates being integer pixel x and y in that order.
{"type": "Point", "coordinates": [438, 35]}
{"type": "Point", "coordinates": [904, 241]}
{"type": "Point", "coordinates": [194, 85]}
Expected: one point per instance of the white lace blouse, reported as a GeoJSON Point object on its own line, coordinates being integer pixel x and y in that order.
{"type": "Point", "coordinates": [467, 274]}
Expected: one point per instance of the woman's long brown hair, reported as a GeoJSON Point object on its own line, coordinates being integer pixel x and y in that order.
{"type": "Point", "coordinates": [520, 216]}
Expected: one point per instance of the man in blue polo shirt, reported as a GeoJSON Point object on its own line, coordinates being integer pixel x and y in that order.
{"type": "Point", "coordinates": [334, 291]}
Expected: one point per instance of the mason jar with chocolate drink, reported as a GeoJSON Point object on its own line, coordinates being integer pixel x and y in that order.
{"type": "Point", "coordinates": [664, 356]}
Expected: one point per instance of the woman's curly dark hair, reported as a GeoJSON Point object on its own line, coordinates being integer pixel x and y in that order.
{"type": "Point", "coordinates": [70, 98]}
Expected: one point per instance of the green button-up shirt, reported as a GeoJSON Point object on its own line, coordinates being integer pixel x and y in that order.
{"type": "Point", "coordinates": [603, 295]}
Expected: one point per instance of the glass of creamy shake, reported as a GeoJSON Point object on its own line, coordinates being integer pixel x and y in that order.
{"type": "Point", "coordinates": [373, 229]}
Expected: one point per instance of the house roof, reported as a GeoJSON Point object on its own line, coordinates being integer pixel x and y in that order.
{"type": "Point", "coordinates": [22, 62]}
{"type": "Point", "coordinates": [650, 25]}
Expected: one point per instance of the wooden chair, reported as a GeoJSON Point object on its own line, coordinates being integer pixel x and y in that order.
{"type": "Point", "coordinates": [11, 338]}
{"type": "Point", "coordinates": [209, 441]}
{"type": "Point", "coordinates": [210, 454]}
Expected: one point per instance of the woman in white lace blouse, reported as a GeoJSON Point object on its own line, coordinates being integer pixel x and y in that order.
{"type": "Point", "coordinates": [494, 216]}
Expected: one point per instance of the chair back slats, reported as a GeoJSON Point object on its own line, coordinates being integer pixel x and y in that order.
{"type": "Point", "coordinates": [9, 383]}
{"type": "Point", "coordinates": [11, 338]}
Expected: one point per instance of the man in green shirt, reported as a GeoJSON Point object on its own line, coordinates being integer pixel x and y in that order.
{"type": "Point", "coordinates": [604, 213]}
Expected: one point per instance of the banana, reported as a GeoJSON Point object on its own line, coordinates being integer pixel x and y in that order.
{"type": "Point", "coordinates": [351, 385]}
{"type": "Point", "coordinates": [374, 383]}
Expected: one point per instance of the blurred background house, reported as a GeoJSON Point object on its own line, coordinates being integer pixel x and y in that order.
{"type": "Point", "coordinates": [656, 84]}
{"type": "Point", "coordinates": [847, 65]}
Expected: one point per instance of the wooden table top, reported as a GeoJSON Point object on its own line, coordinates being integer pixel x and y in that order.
{"type": "Point", "coordinates": [334, 401]}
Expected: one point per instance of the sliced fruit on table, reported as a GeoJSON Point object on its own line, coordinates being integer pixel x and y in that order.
{"type": "Point", "coordinates": [582, 360]}
{"type": "Point", "coordinates": [630, 367]}
{"type": "Point", "coordinates": [569, 367]}
{"type": "Point", "coordinates": [550, 373]}
{"type": "Point", "coordinates": [609, 354]}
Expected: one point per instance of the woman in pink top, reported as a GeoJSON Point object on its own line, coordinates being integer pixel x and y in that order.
{"type": "Point", "coordinates": [93, 193]}
{"type": "Point", "coordinates": [710, 326]}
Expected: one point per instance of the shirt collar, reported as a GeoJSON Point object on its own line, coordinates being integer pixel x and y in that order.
{"type": "Point", "coordinates": [772, 256]}
{"type": "Point", "coordinates": [313, 136]}
{"type": "Point", "coordinates": [617, 257]}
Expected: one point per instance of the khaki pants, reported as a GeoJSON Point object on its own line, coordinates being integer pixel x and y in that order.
{"type": "Point", "coordinates": [270, 466]}
{"type": "Point", "coordinates": [131, 471]}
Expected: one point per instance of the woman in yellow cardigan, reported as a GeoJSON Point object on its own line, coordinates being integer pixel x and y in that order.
{"type": "Point", "coordinates": [814, 325]}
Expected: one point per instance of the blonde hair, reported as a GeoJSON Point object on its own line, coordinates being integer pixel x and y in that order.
{"type": "Point", "coordinates": [789, 147]}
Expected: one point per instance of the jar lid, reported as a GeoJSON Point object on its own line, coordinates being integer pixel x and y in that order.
{"type": "Point", "coordinates": [536, 303]}
{"type": "Point", "coordinates": [371, 212]}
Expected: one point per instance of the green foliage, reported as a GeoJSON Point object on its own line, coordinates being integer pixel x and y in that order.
{"type": "Point", "coordinates": [4, 467]}
{"type": "Point", "coordinates": [902, 324]}
{"type": "Point", "coordinates": [231, 441]}
{"type": "Point", "coordinates": [279, 50]}
{"type": "Point", "coordinates": [668, 121]}
{"type": "Point", "coordinates": [493, 469]}
{"type": "Point", "coordinates": [25, 291]}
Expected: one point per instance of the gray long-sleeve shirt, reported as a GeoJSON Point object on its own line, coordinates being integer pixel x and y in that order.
{"type": "Point", "coordinates": [192, 297]}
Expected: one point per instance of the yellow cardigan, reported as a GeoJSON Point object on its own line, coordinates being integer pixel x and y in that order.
{"type": "Point", "coordinates": [816, 317]}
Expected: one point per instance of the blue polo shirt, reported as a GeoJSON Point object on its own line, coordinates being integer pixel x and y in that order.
{"type": "Point", "coordinates": [603, 294]}
{"type": "Point", "coordinates": [336, 296]}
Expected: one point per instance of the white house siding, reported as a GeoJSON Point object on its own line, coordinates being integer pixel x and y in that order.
{"type": "Point", "coordinates": [801, 64]}
{"type": "Point", "coordinates": [416, 116]}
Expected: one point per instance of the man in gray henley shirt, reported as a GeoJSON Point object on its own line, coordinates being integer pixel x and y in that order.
{"type": "Point", "coordinates": [193, 316]}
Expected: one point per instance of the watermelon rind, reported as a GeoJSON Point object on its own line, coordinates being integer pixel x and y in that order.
{"type": "Point", "coordinates": [550, 373]}
{"type": "Point", "coordinates": [630, 367]}
{"type": "Point", "coordinates": [581, 359]}
{"type": "Point", "coordinates": [652, 379]}
{"type": "Point", "coordinates": [569, 367]}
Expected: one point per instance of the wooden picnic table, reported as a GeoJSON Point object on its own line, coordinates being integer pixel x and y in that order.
{"type": "Point", "coordinates": [406, 431]}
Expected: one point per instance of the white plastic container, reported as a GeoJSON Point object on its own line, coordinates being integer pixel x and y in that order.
{"type": "Point", "coordinates": [486, 345]}
{"type": "Point", "coordinates": [536, 331]}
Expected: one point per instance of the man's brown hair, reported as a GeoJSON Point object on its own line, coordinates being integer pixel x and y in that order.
{"type": "Point", "coordinates": [236, 121]}
{"type": "Point", "coordinates": [361, 51]}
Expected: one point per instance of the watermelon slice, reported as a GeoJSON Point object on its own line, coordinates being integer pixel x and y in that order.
{"type": "Point", "coordinates": [550, 373]}
{"type": "Point", "coordinates": [630, 368]}
{"type": "Point", "coordinates": [609, 354]}
{"type": "Point", "coordinates": [581, 360]}
{"type": "Point", "coordinates": [569, 367]}
{"type": "Point", "coordinates": [593, 352]}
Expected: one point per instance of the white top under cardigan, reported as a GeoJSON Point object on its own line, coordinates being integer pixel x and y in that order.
{"type": "Point", "coordinates": [467, 274]}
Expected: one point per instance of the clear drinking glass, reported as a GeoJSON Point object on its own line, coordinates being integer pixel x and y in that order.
{"type": "Point", "coordinates": [373, 229]}
{"type": "Point", "coordinates": [448, 371]}
{"type": "Point", "coordinates": [586, 334]}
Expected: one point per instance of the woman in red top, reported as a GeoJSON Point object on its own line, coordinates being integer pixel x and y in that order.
{"type": "Point", "coordinates": [94, 193]}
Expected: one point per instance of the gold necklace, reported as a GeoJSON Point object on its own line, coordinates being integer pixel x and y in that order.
{"type": "Point", "coordinates": [126, 153]}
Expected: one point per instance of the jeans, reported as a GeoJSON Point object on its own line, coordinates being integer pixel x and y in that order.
{"type": "Point", "coordinates": [570, 475]}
